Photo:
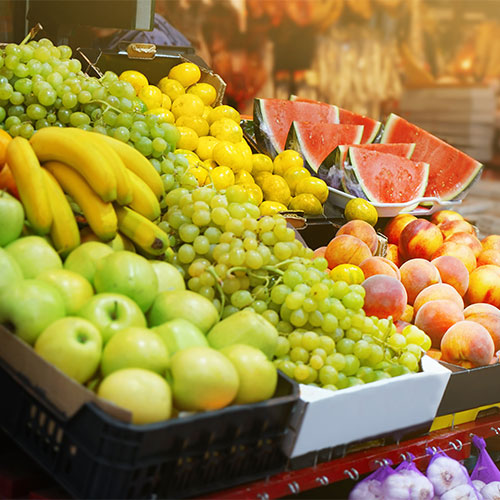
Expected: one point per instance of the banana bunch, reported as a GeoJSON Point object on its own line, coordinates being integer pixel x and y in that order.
{"type": "Point", "coordinates": [115, 187]}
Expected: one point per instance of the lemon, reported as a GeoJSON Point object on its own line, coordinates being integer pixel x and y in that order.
{"type": "Point", "coordinates": [246, 155]}
{"type": "Point", "coordinates": [135, 78]}
{"type": "Point", "coordinates": [226, 130]}
{"type": "Point", "coordinates": [254, 192]}
{"type": "Point", "coordinates": [197, 123]}
{"type": "Point", "coordinates": [188, 140]}
{"type": "Point", "coordinates": [227, 153]}
{"type": "Point", "coordinates": [223, 111]}
{"type": "Point", "coordinates": [164, 115]}
{"type": "Point", "coordinates": [222, 177]}
{"type": "Point", "coordinates": [275, 188]}
{"type": "Point", "coordinates": [187, 105]}
{"type": "Point", "coordinates": [151, 96]}
{"type": "Point", "coordinates": [200, 173]}
{"type": "Point", "coordinates": [351, 274]}
{"type": "Point", "coordinates": [261, 163]}
{"type": "Point", "coordinates": [171, 87]}
{"type": "Point", "coordinates": [285, 160]}
{"type": "Point", "coordinates": [308, 203]}
{"type": "Point", "coordinates": [205, 91]}
{"type": "Point", "coordinates": [293, 175]}
{"type": "Point", "coordinates": [206, 112]}
{"type": "Point", "coordinates": [361, 209]}
{"type": "Point", "coordinates": [166, 102]}
{"type": "Point", "coordinates": [186, 74]}
{"type": "Point", "coordinates": [236, 194]}
{"type": "Point", "coordinates": [209, 164]}
{"type": "Point", "coordinates": [312, 185]}
{"type": "Point", "coordinates": [206, 146]}
{"type": "Point", "coordinates": [271, 208]}
{"type": "Point", "coordinates": [259, 178]}
{"type": "Point", "coordinates": [191, 157]}
{"type": "Point", "coordinates": [243, 177]}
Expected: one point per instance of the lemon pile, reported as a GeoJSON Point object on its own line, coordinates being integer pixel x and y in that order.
{"type": "Point", "coordinates": [212, 140]}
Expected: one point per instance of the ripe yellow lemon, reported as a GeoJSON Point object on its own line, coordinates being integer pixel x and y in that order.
{"type": "Point", "coordinates": [164, 115]}
{"type": "Point", "coordinates": [201, 175]}
{"type": "Point", "coordinates": [226, 130]}
{"type": "Point", "coordinates": [171, 87]}
{"type": "Point", "coordinates": [254, 192]}
{"type": "Point", "coordinates": [223, 111]}
{"type": "Point", "coordinates": [361, 209]}
{"type": "Point", "coordinates": [186, 74]}
{"type": "Point", "coordinates": [197, 123]}
{"type": "Point", "coordinates": [188, 140]}
{"type": "Point", "coordinates": [261, 163]}
{"type": "Point", "coordinates": [243, 177]}
{"type": "Point", "coordinates": [187, 105]}
{"type": "Point", "coordinates": [308, 203]}
{"type": "Point", "coordinates": [293, 175]}
{"type": "Point", "coordinates": [275, 188]}
{"type": "Point", "coordinates": [209, 164]}
{"type": "Point", "coordinates": [205, 91]}
{"type": "Point", "coordinates": [166, 102]}
{"type": "Point", "coordinates": [351, 274]}
{"type": "Point", "coordinates": [271, 208]}
{"type": "Point", "coordinates": [312, 185]}
{"type": "Point", "coordinates": [227, 153]}
{"type": "Point", "coordinates": [151, 96]}
{"type": "Point", "coordinates": [190, 155]}
{"type": "Point", "coordinates": [260, 177]}
{"type": "Point", "coordinates": [222, 177]}
{"type": "Point", "coordinates": [285, 160]}
{"type": "Point", "coordinates": [206, 146]}
{"type": "Point", "coordinates": [135, 78]}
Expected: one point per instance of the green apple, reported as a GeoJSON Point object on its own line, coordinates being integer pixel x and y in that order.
{"type": "Point", "coordinates": [169, 278]}
{"type": "Point", "coordinates": [258, 376]}
{"type": "Point", "coordinates": [129, 274]}
{"type": "Point", "coordinates": [11, 271]}
{"type": "Point", "coordinates": [144, 393]}
{"type": "Point", "coordinates": [73, 345]}
{"type": "Point", "coordinates": [245, 327]}
{"type": "Point", "coordinates": [134, 347]}
{"type": "Point", "coordinates": [74, 288]}
{"type": "Point", "coordinates": [82, 259]}
{"type": "Point", "coordinates": [119, 242]}
{"type": "Point", "coordinates": [12, 217]}
{"type": "Point", "coordinates": [202, 379]}
{"type": "Point", "coordinates": [34, 255]}
{"type": "Point", "coordinates": [183, 304]}
{"type": "Point", "coordinates": [112, 312]}
{"type": "Point", "coordinates": [180, 334]}
{"type": "Point", "coordinates": [27, 307]}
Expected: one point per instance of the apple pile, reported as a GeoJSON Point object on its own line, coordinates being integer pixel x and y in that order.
{"type": "Point", "coordinates": [127, 328]}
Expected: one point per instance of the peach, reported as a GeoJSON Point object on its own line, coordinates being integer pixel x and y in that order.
{"type": "Point", "coordinates": [417, 274]}
{"type": "Point", "coordinates": [461, 252]}
{"type": "Point", "coordinates": [362, 230]}
{"type": "Point", "coordinates": [346, 249]}
{"type": "Point", "coordinates": [450, 227]}
{"type": "Point", "coordinates": [491, 242]}
{"type": "Point", "coordinates": [438, 291]}
{"type": "Point", "coordinates": [434, 354]}
{"type": "Point", "coordinates": [467, 341]}
{"type": "Point", "coordinates": [436, 316]}
{"type": "Point", "coordinates": [489, 257]}
{"type": "Point", "coordinates": [453, 272]}
{"type": "Point", "coordinates": [395, 226]}
{"type": "Point", "coordinates": [385, 296]}
{"type": "Point", "coordinates": [466, 239]}
{"type": "Point", "coordinates": [420, 239]}
{"type": "Point", "coordinates": [484, 285]}
{"type": "Point", "coordinates": [379, 265]}
{"type": "Point", "coordinates": [319, 252]}
{"type": "Point", "coordinates": [445, 215]}
{"type": "Point", "coordinates": [491, 321]}
{"type": "Point", "coordinates": [480, 307]}
{"type": "Point", "coordinates": [392, 253]}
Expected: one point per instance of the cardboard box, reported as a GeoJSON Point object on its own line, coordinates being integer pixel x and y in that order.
{"type": "Point", "coordinates": [326, 419]}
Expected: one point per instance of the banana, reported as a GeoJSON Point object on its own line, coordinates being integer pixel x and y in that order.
{"type": "Point", "coordinates": [100, 214]}
{"type": "Point", "coordinates": [144, 200]}
{"type": "Point", "coordinates": [64, 231]}
{"type": "Point", "coordinates": [28, 176]}
{"type": "Point", "coordinates": [138, 164]}
{"type": "Point", "coordinates": [124, 192]}
{"type": "Point", "coordinates": [144, 234]}
{"type": "Point", "coordinates": [60, 144]}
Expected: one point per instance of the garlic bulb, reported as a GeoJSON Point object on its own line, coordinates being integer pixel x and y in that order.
{"type": "Point", "coordinates": [462, 492]}
{"type": "Point", "coordinates": [370, 489]}
{"type": "Point", "coordinates": [445, 474]}
{"type": "Point", "coordinates": [479, 485]}
{"type": "Point", "coordinates": [491, 491]}
{"type": "Point", "coordinates": [407, 485]}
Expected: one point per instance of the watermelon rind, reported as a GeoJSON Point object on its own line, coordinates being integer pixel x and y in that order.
{"type": "Point", "coordinates": [356, 184]}
{"type": "Point", "coordinates": [451, 173]}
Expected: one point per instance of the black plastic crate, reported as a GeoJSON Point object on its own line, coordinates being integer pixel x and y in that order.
{"type": "Point", "coordinates": [93, 455]}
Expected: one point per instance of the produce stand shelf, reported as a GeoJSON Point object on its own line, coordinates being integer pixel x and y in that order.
{"type": "Point", "coordinates": [456, 442]}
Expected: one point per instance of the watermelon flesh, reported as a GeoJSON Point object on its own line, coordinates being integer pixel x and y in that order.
{"type": "Point", "coordinates": [273, 119]}
{"type": "Point", "coordinates": [404, 149]}
{"type": "Point", "coordinates": [384, 178]}
{"type": "Point", "coordinates": [317, 141]}
{"type": "Point", "coordinates": [451, 172]}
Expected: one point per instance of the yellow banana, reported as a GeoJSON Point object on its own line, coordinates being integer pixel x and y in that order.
{"type": "Point", "coordinates": [28, 175]}
{"type": "Point", "coordinates": [60, 144]}
{"type": "Point", "coordinates": [64, 231]}
{"type": "Point", "coordinates": [124, 192]}
{"type": "Point", "coordinates": [144, 234]}
{"type": "Point", "coordinates": [144, 200]}
{"type": "Point", "coordinates": [138, 164]}
{"type": "Point", "coordinates": [100, 214]}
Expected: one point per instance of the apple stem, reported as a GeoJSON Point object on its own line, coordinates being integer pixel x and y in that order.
{"type": "Point", "coordinates": [114, 314]}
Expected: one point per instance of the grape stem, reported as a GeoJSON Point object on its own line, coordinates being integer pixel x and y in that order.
{"type": "Point", "coordinates": [218, 282]}
{"type": "Point", "coordinates": [108, 106]}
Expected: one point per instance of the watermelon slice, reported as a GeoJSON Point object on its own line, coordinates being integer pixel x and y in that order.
{"type": "Point", "coordinates": [451, 173]}
{"type": "Point", "coordinates": [404, 149]}
{"type": "Point", "coordinates": [273, 119]}
{"type": "Point", "coordinates": [317, 141]}
{"type": "Point", "coordinates": [372, 128]}
{"type": "Point", "coordinates": [383, 177]}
